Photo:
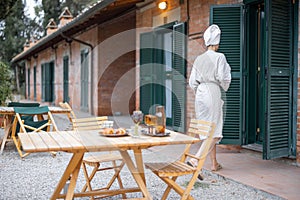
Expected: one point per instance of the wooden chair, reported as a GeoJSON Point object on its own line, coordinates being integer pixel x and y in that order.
{"type": "Point", "coordinates": [31, 119]}
{"type": "Point", "coordinates": [66, 105]}
{"type": "Point", "coordinates": [70, 115]}
{"type": "Point", "coordinates": [8, 120]}
{"type": "Point", "coordinates": [169, 172]}
{"type": "Point", "coordinates": [95, 161]}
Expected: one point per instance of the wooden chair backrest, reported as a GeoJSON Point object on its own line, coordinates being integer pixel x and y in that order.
{"type": "Point", "coordinates": [89, 123]}
{"type": "Point", "coordinates": [65, 105]}
{"type": "Point", "coordinates": [202, 129]}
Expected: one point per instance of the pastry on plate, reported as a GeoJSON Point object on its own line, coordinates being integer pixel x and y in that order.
{"type": "Point", "coordinates": [120, 131]}
{"type": "Point", "coordinates": [108, 131]}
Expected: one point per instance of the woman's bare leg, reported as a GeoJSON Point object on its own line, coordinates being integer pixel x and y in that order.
{"type": "Point", "coordinates": [201, 150]}
{"type": "Point", "coordinates": [215, 166]}
{"type": "Point", "coordinates": [213, 157]}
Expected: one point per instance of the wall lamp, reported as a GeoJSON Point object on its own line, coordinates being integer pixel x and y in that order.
{"type": "Point", "coordinates": [163, 5]}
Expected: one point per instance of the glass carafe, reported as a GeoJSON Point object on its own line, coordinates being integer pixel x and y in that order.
{"type": "Point", "coordinates": [161, 119]}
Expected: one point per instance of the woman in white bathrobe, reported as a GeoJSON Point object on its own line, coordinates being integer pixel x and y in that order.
{"type": "Point", "coordinates": [210, 74]}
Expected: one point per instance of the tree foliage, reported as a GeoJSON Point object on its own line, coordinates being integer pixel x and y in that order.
{"type": "Point", "coordinates": [76, 6]}
{"type": "Point", "coordinates": [16, 27]}
{"type": "Point", "coordinates": [52, 9]}
{"type": "Point", "coordinates": [6, 7]}
{"type": "Point", "coordinates": [13, 33]}
{"type": "Point", "coordinates": [5, 83]}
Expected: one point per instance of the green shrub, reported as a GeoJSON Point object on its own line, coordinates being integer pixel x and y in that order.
{"type": "Point", "coordinates": [5, 83]}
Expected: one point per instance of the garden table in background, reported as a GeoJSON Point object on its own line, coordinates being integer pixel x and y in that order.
{"type": "Point", "coordinates": [79, 142]}
{"type": "Point", "coordinates": [8, 113]}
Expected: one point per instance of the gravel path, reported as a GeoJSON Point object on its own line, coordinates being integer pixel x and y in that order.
{"type": "Point", "coordinates": [36, 177]}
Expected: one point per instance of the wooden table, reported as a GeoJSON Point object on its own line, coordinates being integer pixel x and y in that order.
{"type": "Point", "coordinates": [90, 141]}
{"type": "Point", "coordinates": [8, 113]}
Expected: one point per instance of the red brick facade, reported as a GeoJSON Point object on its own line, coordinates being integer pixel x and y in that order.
{"type": "Point", "coordinates": [106, 69]}
{"type": "Point", "coordinates": [116, 83]}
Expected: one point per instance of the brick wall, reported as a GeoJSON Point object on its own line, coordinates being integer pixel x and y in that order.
{"type": "Point", "coordinates": [56, 55]}
{"type": "Point", "coordinates": [116, 75]}
{"type": "Point", "coordinates": [113, 67]}
{"type": "Point", "coordinates": [45, 56]}
{"type": "Point", "coordinates": [91, 38]}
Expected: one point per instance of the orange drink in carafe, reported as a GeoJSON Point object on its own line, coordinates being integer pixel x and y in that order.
{"type": "Point", "coordinates": [161, 119]}
{"type": "Point", "coordinates": [150, 120]}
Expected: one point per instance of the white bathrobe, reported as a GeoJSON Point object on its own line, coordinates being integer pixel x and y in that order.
{"type": "Point", "coordinates": [210, 73]}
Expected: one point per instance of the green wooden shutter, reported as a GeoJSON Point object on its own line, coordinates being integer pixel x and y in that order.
{"type": "Point", "coordinates": [43, 72]}
{"type": "Point", "coordinates": [158, 78]}
{"type": "Point", "coordinates": [34, 82]}
{"type": "Point", "coordinates": [47, 82]}
{"type": "Point", "coordinates": [146, 72]}
{"type": "Point", "coordinates": [179, 77]}
{"type": "Point", "coordinates": [230, 20]}
{"type": "Point", "coordinates": [84, 80]}
{"type": "Point", "coordinates": [66, 78]}
{"type": "Point", "coordinates": [279, 79]}
{"type": "Point", "coordinates": [52, 82]}
{"type": "Point", "coordinates": [28, 83]}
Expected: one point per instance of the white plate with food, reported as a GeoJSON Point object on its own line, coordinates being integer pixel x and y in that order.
{"type": "Point", "coordinates": [113, 132]}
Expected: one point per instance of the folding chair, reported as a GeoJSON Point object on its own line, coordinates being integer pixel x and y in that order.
{"type": "Point", "coordinates": [70, 115]}
{"type": "Point", "coordinates": [8, 120]}
{"type": "Point", "coordinates": [169, 172]}
{"type": "Point", "coordinates": [95, 161]}
{"type": "Point", "coordinates": [31, 119]}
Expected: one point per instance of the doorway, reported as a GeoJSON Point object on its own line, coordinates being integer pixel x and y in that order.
{"type": "Point", "coordinates": [260, 44]}
{"type": "Point", "coordinates": [163, 72]}
{"type": "Point", "coordinates": [256, 73]}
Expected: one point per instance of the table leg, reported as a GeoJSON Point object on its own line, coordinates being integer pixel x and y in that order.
{"type": "Point", "coordinates": [7, 129]}
{"type": "Point", "coordinates": [72, 171]}
{"type": "Point", "coordinates": [4, 140]}
{"type": "Point", "coordinates": [135, 172]}
{"type": "Point", "coordinates": [139, 163]}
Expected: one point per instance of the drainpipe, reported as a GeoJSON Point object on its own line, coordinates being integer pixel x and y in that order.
{"type": "Point", "coordinates": [92, 65]}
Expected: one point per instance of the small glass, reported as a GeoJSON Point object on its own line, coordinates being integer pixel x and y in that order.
{"type": "Point", "coordinates": [151, 121]}
{"type": "Point", "coordinates": [137, 118]}
{"type": "Point", "coordinates": [135, 131]}
{"type": "Point", "coordinates": [108, 124]}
